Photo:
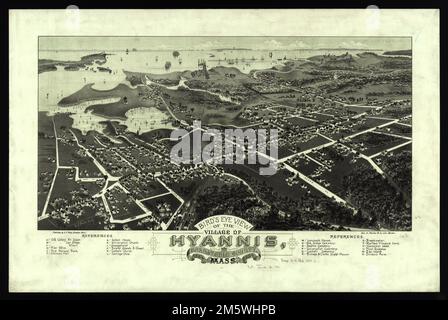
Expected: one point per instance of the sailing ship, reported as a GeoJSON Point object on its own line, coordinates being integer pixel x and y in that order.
{"type": "Point", "coordinates": [167, 65]}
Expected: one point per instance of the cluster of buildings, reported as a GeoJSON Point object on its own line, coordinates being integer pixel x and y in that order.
{"type": "Point", "coordinates": [141, 158]}
{"type": "Point", "coordinates": [112, 162]}
{"type": "Point", "coordinates": [140, 184]}
{"type": "Point", "coordinates": [121, 204]}
{"type": "Point", "coordinates": [69, 210]}
{"type": "Point", "coordinates": [194, 172]}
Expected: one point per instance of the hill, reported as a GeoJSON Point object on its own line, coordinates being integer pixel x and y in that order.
{"type": "Point", "coordinates": [399, 52]}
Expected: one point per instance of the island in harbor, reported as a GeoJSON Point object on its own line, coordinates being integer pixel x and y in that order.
{"type": "Point", "coordinates": [399, 52]}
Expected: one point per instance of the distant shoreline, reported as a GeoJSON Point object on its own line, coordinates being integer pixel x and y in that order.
{"type": "Point", "coordinates": [398, 53]}
{"type": "Point", "coordinates": [207, 50]}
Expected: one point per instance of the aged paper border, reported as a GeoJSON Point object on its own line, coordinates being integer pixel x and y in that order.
{"type": "Point", "coordinates": [414, 267]}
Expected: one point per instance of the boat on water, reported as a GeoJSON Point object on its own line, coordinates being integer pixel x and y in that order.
{"type": "Point", "coordinates": [167, 65]}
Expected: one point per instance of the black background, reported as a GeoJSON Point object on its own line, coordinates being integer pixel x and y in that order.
{"type": "Point", "coordinates": [295, 305]}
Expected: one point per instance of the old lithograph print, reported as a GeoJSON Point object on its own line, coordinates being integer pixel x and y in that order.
{"type": "Point", "coordinates": [248, 151]}
{"type": "Point", "coordinates": [331, 116]}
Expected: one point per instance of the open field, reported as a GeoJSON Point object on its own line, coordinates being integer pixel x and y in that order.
{"type": "Point", "coordinates": [397, 129]}
{"type": "Point", "coordinates": [65, 182]}
{"type": "Point", "coordinates": [301, 122]}
{"type": "Point", "coordinates": [188, 105]}
{"type": "Point", "coordinates": [304, 165]}
{"type": "Point", "coordinates": [309, 144]}
{"type": "Point", "coordinates": [73, 156]}
{"type": "Point", "coordinates": [371, 143]}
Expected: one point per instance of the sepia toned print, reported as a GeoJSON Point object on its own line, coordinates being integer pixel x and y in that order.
{"type": "Point", "coordinates": [139, 150]}
{"type": "Point", "coordinates": [109, 108]}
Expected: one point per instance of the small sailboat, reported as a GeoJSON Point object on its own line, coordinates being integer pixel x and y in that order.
{"type": "Point", "coordinates": [167, 65]}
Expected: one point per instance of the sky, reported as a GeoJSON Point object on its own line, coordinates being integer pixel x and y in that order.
{"type": "Point", "coordinates": [209, 43]}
